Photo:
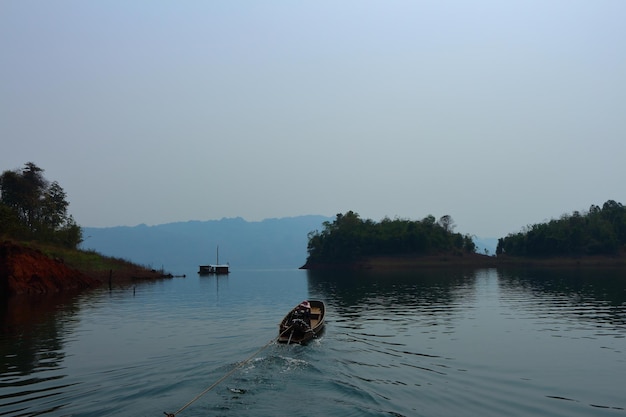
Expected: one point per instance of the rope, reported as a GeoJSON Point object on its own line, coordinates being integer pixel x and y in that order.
{"type": "Point", "coordinates": [232, 371]}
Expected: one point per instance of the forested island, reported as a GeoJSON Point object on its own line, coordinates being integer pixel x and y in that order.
{"type": "Point", "coordinates": [39, 240]}
{"type": "Point", "coordinates": [596, 237]}
{"type": "Point", "coordinates": [350, 241]}
{"type": "Point", "coordinates": [599, 231]}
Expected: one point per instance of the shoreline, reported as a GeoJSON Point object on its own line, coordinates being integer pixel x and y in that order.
{"type": "Point", "coordinates": [31, 268]}
{"type": "Point", "coordinates": [385, 263]}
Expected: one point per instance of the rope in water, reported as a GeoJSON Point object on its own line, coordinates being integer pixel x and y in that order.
{"type": "Point", "coordinates": [216, 383]}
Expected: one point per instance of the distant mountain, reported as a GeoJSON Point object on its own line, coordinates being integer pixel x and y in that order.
{"type": "Point", "coordinates": [181, 246]}
{"type": "Point", "coordinates": [268, 244]}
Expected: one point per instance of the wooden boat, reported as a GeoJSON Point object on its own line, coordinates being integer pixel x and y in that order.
{"type": "Point", "coordinates": [303, 323]}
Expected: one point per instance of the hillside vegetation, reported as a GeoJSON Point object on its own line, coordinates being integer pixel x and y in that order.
{"type": "Point", "coordinates": [600, 231]}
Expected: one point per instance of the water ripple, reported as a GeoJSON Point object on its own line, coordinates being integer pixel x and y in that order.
{"type": "Point", "coordinates": [486, 343]}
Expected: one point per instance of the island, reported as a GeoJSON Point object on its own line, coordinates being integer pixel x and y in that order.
{"type": "Point", "coordinates": [595, 238]}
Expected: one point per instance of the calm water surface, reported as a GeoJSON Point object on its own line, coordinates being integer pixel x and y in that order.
{"type": "Point", "coordinates": [439, 343]}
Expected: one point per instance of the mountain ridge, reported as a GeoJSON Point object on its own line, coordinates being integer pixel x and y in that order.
{"type": "Point", "coordinates": [269, 243]}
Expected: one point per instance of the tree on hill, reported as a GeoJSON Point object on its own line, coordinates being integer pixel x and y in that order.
{"type": "Point", "coordinates": [31, 207]}
{"type": "Point", "coordinates": [600, 231]}
{"type": "Point", "coordinates": [349, 238]}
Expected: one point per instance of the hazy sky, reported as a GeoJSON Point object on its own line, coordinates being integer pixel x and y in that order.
{"type": "Point", "coordinates": [498, 113]}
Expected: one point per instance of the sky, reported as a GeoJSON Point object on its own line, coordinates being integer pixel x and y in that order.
{"type": "Point", "coordinates": [500, 114]}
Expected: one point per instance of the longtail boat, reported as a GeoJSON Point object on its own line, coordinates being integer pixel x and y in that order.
{"type": "Point", "coordinates": [303, 323]}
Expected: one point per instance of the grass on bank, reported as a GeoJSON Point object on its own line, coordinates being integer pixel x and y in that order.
{"type": "Point", "coordinates": [95, 264]}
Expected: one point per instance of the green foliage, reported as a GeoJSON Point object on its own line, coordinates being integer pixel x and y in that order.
{"type": "Point", "coordinates": [33, 208]}
{"type": "Point", "coordinates": [600, 231]}
{"type": "Point", "coordinates": [349, 238]}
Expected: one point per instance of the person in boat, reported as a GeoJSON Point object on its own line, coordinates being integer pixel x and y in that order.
{"type": "Point", "coordinates": [304, 310]}
{"type": "Point", "coordinates": [301, 316]}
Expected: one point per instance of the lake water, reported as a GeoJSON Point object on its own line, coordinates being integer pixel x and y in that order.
{"type": "Point", "coordinates": [428, 343]}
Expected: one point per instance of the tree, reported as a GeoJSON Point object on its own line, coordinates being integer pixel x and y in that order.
{"type": "Point", "coordinates": [447, 223]}
{"type": "Point", "coordinates": [38, 206]}
{"type": "Point", "coordinates": [23, 191]}
{"type": "Point", "coordinates": [10, 223]}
